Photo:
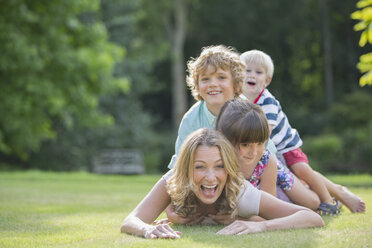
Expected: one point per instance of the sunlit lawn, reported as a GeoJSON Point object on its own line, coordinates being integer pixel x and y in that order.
{"type": "Point", "coordinates": [39, 209]}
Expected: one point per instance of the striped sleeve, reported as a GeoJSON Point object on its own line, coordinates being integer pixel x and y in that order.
{"type": "Point", "coordinates": [271, 108]}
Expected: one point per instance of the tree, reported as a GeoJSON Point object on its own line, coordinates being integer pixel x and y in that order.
{"type": "Point", "coordinates": [135, 26]}
{"type": "Point", "coordinates": [177, 35]}
{"type": "Point", "coordinates": [56, 62]}
{"type": "Point", "coordinates": [364, 25]}
{"type": "Point", "coordinates": [328, 69]}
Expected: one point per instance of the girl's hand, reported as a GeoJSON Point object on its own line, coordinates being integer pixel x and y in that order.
{"type": "Point", "coordinates": [162, 231]}
{"type": "Point", "coordinates": [191, 220]}
{"type": "Point", "coordinates": [222, 219]}
{"type": "Point", "coordinates": [176, 219]}
{"type": "Point", "coordinates": [240, 227]}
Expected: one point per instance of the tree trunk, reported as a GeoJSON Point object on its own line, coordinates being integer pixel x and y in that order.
{"type": "Point", "coordinates": [328, 70]}
{"type": "Point", "coordinates": [179, 97]}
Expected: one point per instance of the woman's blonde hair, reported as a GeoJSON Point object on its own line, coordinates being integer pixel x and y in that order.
{"type": "Point", "coordinates": [181, 184]}
{"type": "Point", "coordinates": [219, 56]}
{"type": "Point", "coordinates": [243, 122]}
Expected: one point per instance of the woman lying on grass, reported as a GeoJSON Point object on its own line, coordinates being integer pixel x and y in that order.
{"type": "Point", "coordinates": [206, 182]}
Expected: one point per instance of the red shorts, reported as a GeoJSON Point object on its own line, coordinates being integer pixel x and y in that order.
{"type": "Point", "coordinates": [295, 156]}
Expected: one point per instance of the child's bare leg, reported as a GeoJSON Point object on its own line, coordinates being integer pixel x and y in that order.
{"type": "Point", "coordinates": [343, 194]}
{"type": "Point", "coordinates": [316, 183]}
{"type": "Point", "coordinates": [301, 195]}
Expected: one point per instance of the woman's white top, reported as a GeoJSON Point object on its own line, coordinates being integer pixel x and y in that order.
{"type": "Point", "coordinates": [248, 199]}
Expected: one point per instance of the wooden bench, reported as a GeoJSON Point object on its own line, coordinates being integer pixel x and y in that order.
{"type": "Point", "coordinates": [119, 161]}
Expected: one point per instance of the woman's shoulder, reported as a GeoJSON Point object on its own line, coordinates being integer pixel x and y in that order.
{"type": "Point", "coordinates": [248, 200]}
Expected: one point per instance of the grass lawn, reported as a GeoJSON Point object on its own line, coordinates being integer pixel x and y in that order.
{"type": "Point", "coordinates": [43, 209]}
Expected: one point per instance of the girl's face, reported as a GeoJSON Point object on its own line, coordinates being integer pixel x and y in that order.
{"type": "Point", "coordinates": [250, 153]}
{"type": "Point", "coordinates": [216, 87]}
{"type": "Point", "coordinates": [209, 174]}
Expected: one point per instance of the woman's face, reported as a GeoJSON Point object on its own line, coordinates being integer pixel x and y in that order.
{"type": "Point", "coordinates": [209, 174]}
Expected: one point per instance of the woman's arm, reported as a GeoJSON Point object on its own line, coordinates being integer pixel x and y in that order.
{"type": "Point", "coordinates": [284, 215]}
{"type": "Point", "coordinates": [280, 215]}
{"type": "Point", "coordinates": [268, 177]}
{"type": "Point", "coordinates": [138, 221]}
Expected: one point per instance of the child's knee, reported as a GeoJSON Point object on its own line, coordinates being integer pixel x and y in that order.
{"type": "Point", "coordinates": [301, 170]}
{"type": "Point", "coordinates": [314, 202]}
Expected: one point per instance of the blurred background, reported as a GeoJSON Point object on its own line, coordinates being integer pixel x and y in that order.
{"type": "Point", "coordinates": [81, 76]}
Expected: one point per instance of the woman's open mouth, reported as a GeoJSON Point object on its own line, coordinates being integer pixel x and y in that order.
{"type": "Point", "coordinates": [209, 190]}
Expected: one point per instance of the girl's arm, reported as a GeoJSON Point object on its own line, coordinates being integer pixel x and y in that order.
{"type": "Point", "coordinates": [138, 221]}
{"type": "Point", "coordinates": [268, 177]}
{"type": "Point", "coordinates": [280, 215]}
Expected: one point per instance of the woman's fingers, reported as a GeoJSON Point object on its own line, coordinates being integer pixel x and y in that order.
{"type": "Point", "coordinates": [162, 221]}
{"type": "Point", "coordinates": [166, 231]}
{"type": "Point", "coordinates": [230, 230]}
{"type": "Point", "coordinates": [240, 227]}
{"type": "Point", "coordinates": [163, 231]}
{"type": "Point", "coordinates": [234, 228]}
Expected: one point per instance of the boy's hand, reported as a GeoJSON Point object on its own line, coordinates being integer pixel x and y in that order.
{"type": "Point", "coordinates": [176, 219]}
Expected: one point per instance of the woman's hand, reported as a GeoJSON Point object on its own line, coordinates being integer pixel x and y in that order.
{"type": "Point", "coordinates": [176, 219]}
{"type": "Point", "coordinates": [240, 227]}
{"type": "Point", "coordinates": [162, 231]}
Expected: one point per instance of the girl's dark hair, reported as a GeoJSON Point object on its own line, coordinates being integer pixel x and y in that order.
{"type": "Point", "coordinates": [243, 122]}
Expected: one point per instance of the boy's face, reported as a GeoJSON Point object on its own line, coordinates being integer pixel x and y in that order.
{"type": "Point", "coordinates": [216, 88]}
{"type": "Point", "coordinates": [256, 80]}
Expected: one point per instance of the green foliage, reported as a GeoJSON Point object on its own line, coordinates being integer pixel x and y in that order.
{"type": "Point", "coordinates": [365, 25]}
{"type": "Point", "coordinates": [322, 150]}
{"type": "Point", "coordinates": [53, 69]}
{"type": "Point", "coordinates": [352, 112]}
{"type": "Point", "coordinates": [365, 66]}
{"type": "Point", "coordinates": [346, 145]}
{"type": "Point", "coordinates": [129, 25]}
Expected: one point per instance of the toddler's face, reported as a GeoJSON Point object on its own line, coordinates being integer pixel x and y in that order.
{"type": "Point", "coordinates": [215, 87]}
{"type": "Point", "coordinates": [255, 80]}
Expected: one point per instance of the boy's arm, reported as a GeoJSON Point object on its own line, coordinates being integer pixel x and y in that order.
{"type": "Point", "coordinates": [271, 127]}
{"type": "Point", "coordinates": [271, 107]}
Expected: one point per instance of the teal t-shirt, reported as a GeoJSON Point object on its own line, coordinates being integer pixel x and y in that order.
{"type": "Point", "coordinates": [197, 117]}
